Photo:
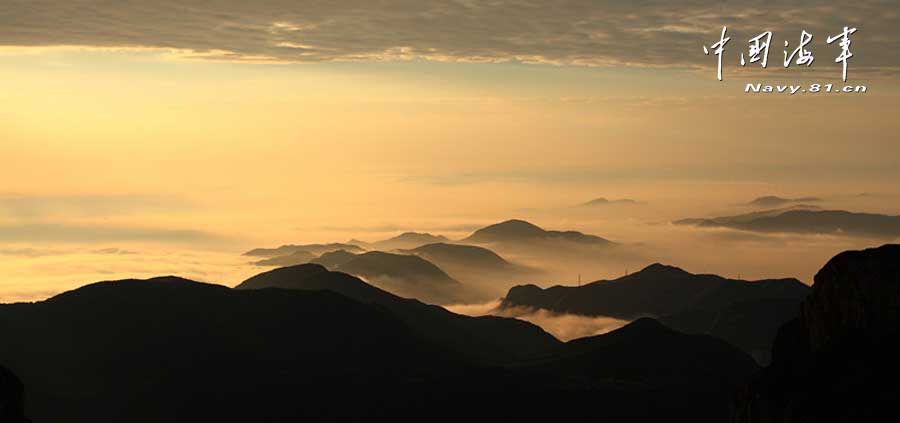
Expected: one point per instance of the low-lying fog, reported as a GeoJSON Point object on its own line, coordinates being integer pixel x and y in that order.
{"type": "Point", "coordinates": [643, 230]}
{"type": "Point", "coordinates": [561, 325]}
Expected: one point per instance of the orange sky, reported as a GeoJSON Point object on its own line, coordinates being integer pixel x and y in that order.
{"type": "Point", "coordinates": [108, 143]}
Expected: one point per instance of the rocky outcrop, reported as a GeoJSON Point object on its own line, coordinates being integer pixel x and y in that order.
{"type": "Point", "coordinates": [857, 291]}
{"type": "Point", "coordinates": [837, 361]}
{"type": "Point", "coordinates": [12, 404]}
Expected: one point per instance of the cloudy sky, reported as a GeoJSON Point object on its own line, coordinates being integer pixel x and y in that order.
{"type": "Point", "coordinates": [226, 124]}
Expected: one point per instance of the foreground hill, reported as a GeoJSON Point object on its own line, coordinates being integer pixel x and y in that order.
{"type": "Point", "coordinates": [837, 361]}
{"type": "Point", "coordinates": [169, 349]}
{"type": "Point", "coordinates": [12, 401]}
{"type": "Point", "coordinates": [153, 350]}
{"type": "Point", "coordinates": [747, 314]}
{"type": "Point", "coordinates": [485, 339]}
{"type": "Point", "coordinates": [646, 352]}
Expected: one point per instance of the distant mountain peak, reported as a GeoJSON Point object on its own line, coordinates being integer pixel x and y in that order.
{"type": "Point", "coordinates": [806, 219]}
{"type": "Point", "coordinates": [659, 268]}
{"type": "Point", "coordinates": [517, 223]}
{"type": "Point", "coordinates": [514, 230]}
{"type": "Point", "coordinates": [417, 234]}
{"type": "Point", "coordinates": [314, 249]}
{"type": "Point", "coordinates": [603, 201]}
{"type": "Point", "coordinates": [774, 201]}
{"type": "Point", "coordinates": [307, 268]}
{"type": "Point", "coordinates": [405, 240]}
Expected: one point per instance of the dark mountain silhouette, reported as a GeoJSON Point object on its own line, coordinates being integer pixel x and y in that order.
{"type": "Point", "coordinates": [315, 249]}
{"type": "Point", "coordinates": [333, 259]}
{"type": "Point", "coordinates": [169, 349]}
{"type": "Point", "coordinates": [775, 201]}
{"type": "Point", "coordinates": [606, 202]}
{"type": "Point", "coordinates": [406, 275]}
{"type": "Point", "coordinates": [684, 300]}
{"type": "Point", "coordinates": [837, 361]}
{"type": "Point", "coordinates": [807, 221]}
{"type": "Point", "coordinates": [484, 339]}
{"type": "Point", "coordinates": [727, 221]}
{"type": "Point", "coordinates": [750, 325]}
{"type": "Point", "coordinates": [691, 372]}
{"type": "Point", "coordinates": [657, 290]}
{"type": "Point", "coordinates": [648, 353]}
{"type": "Point", "coordinates": [12, 401]}
{"type": "Point", "coordinates": [512, 231]}
{"type": "Point", "coordinates": [297, 257]}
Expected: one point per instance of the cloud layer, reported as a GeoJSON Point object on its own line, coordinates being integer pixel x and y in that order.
{"type": "Point", "coordinates": [587, 32]}
{"type": "Point", "coordinates": [561, 325]}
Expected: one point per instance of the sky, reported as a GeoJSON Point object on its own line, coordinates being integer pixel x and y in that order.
{"type": "Point", "coordinates": [166, 137]}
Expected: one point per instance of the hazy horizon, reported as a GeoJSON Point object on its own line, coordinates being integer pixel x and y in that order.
{"type": "Point", "coordinates": [283, 123]}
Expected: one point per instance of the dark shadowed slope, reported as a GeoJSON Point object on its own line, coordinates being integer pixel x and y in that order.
{"type": "Point", "coordinates": [485, 339]}
{"type": "Point", "coordinates": [297, 257]}
{"type": "Point", "coordinates": [643, 372]}
{"type": "Point", "coordinates": [837, 361]}
{"type": "Point", "coordinates": [647, 353]}
{"type": "Point", "coordinates": [333, 259]}
{"type": "Point", "coordinates": [804, 220]}
{"type": "Point", "coordinates": [12, 401]}
{"type": "Point", "coordinates": [314, 249]}
{"type": "Point", "coordinates": [686, 372]}
{"type": "Point", "coordinates": [751, 324]}
{"type": "Point", "coordinates": [522, 231]}
{"type": "Point", "coordinates": [745, 313]}
{"type": "Point", "coordinates": [406, 275]}
{"type": "Point", "coordinates": [169, 349]}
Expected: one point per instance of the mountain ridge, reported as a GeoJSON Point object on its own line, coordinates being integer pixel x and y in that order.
{"type": "Point", "coordinates": [517, 230]}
